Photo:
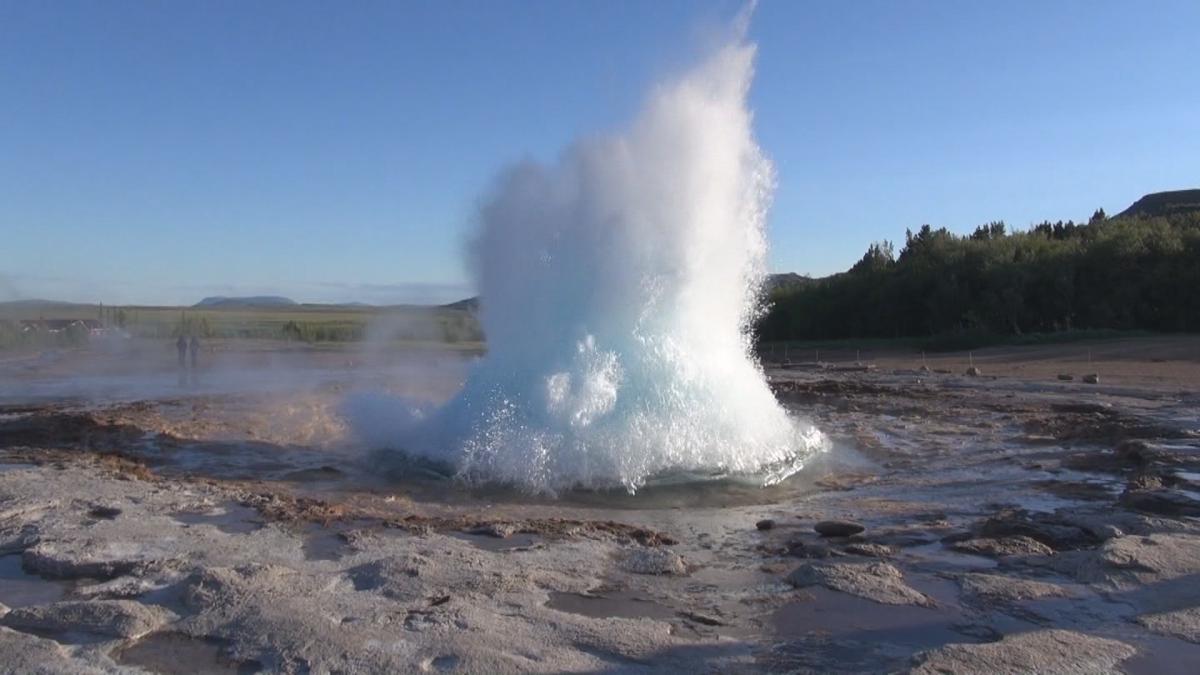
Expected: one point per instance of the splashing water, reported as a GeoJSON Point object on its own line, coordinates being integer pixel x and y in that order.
{"type": "Point", "coordinates": [618, 288]}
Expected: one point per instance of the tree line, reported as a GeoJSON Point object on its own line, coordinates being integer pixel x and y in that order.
{"type": "Point", "coordinates": [1124, 273]}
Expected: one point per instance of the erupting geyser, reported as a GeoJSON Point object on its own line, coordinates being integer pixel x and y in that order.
{"type": "Point", "coordinates": [618, 287]}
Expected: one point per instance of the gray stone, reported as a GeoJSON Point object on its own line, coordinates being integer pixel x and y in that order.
{"type": "Point", "coordinates": [1161, 502]}
{"type": "Point", "coordinates": [998, 547]}
{"type": "Point", "coordinates": [1060, 652]}
{"type": "Point", "coordinates": [655, 560]}
{"type": "Point", "coordinates": [764, 524]}
{"type": "Point", "coordinates": [1091, 378]}
{"type": "Point", "coordinates": [94, 560]}
{"type": "Point", "coordinates": [875, 581]}
{"type": "Point", "coordinates": [870, 550]}
{"type": "Point", "coordinates": [497, 530]}
{"type": "Point", "coordinates": [1136, 561]}
{"type": "Point", "coordinates": [25, 654]}
{"type": "Point", "coordinates": [118, 618]}
{"type": "Point", "coordinates": [1182, 623]}
{"type": "Point", "coordinates": [999, 588]}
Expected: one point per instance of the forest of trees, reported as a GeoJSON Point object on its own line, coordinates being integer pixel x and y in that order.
{"type": "Point", "coordinates": [1123, 273]}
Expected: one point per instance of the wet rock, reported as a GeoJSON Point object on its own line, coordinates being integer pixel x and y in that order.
{"type": "Point", "coordinates": [801, 549]}
{"type": "Point", "coordinates": [1091, 378]}
{"type": "Point", "coordinates": [875, 581]}
{"type": "Point", "coordinates": [973, 371]}
{"type": "Point", "coordinates": [1137, 561]}
{"type": "Point", "coordinates": [764, 524]}
{"type": "Point", "coordinates": [999, 588]}
{"type": "Point", "coordinates": [1136, 453]}
{"type": "Point", "coordinates": [998, 547]}
{"type": "Point", "coordinates": [838, 528]}
{"type": "Point", "coordinates": [1183, 623]}
{"type": "Point", "coordinates": [1045, 651]}
{"type": "Point", "coordinates": [117, 618]}
{"type": "Point", "coordinates": [656, 560]}
{"type": "Point", "coordinates": [104, 512]}
{"type": "Point", "coordinates": [870, 550]}
{"type": "Point", "coordinates": [122, 587]}
{"type": "Point", "coordinates": [15, 542]}
{"type": "Point", "coordinates": [3, 609]}
{"type": "Point", "coordinates": [25, 653]}
{"type": "Point", "coordinates": [1043, 527]}
{"type": "Point", "coordinates": [497, 530]}
{"type": "Point", "coordinates": [1161, 502]}
{"type": "Point", "coordinates": [95, 560]}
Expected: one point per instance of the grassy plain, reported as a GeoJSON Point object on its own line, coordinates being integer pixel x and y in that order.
{"type": "Point", "coordinates": [303, 323]}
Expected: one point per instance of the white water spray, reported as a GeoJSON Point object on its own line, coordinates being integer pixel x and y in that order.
{"type": "Point", "coordinates": [618, 287]}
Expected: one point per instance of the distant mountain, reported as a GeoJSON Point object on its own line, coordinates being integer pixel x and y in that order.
{"type": "Point", "coordinates": [37, 302]}
{"type": "Point", "coordinates": [468, 304]}
{"type": "Point", "coordinates": [1164, 204]}
{"type": "Point", "coordinates": [250, 301]}
{"type": "Point", "coordinates": [785, 280]}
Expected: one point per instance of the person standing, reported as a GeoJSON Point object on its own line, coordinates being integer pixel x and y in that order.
{"type": "Point", "coordinates": [194, 348]}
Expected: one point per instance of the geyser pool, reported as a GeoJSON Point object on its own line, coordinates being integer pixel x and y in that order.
{"type": "Point", "coordinates": [618, 286]}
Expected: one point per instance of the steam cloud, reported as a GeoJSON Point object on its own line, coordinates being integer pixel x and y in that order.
{"type": "Point", "coordinates": [618, 287]}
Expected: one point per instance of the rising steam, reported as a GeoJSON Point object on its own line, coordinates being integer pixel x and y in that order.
{"type": "Point", "coordinates": [618, 288]}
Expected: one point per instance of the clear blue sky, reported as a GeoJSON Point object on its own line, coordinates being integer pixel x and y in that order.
{"type": "Point", "coordinates": [161, 151]}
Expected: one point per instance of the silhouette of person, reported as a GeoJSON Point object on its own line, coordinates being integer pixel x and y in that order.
{"type": "Point", "coordinates": [181, 346]}
{"type": "Point", "coordinates": [194, 348]}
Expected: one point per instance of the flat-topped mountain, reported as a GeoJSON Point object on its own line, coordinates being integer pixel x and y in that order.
{"type": "Point", "coordinates": [1164, 204]}
{"type": "Point", "coordinates": [249, 301]}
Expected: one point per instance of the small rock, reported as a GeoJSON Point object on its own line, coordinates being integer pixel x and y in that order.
{"type": "Point", "coordinates": [1137, 453]}
{"type": "Point", "coordinates": [25, 653]}
{"type": "Point", "coordinates": [1182, 623]}
{"type": "Point", "coordinates": [1044, 651]}
{"type": "Point", "coordinates": [997, 547]}
{"type": "Point", "coordinates": [1161, 502]}
{"type": "Point", "coordinates": [1046, 528]}
{"type": "Point", "coordinates": [1065, 377]}
{"type": "Point", "coordinates": [3, 609]}
{"type": "Point", "coordinates": [764, 524]}
{"type": "Point", "coordinates": [497, 530]}
{"type": "Point", "coordinates": [94, 560]}
{"type": "Point", "coordinates": [973, 371]}
{"type": "Point", "coordinates": [1001, 588]}
{"type": "Point", "coordinates": [838, 528]}
{"type": "Point", "coordinates": [875, 581]}
{"type": "Point", "coordinates": [656, 560]}
{"type": "Point", "coordinates": [1091, 378]}
{"type": "Point", "coordinates": [701, 618]}
{"type": "Point", "coordinates": [800, 549]}
{"type": "Point", "coordinates": [104, 512]}
{"type": "Point", "coordinates": [118, 618]}
{"type": "Point", "coordinates": [870, 550]}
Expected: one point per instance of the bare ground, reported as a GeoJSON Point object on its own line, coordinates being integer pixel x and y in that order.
{"type": "Point", "coordinates": [1014, 522]}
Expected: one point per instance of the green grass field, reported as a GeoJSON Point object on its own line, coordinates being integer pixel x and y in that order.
{"type": "Point", "coordinates": [302, 323]}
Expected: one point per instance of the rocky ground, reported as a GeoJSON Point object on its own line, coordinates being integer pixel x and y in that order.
{"type": "Point", "coordinates": [960, 525]}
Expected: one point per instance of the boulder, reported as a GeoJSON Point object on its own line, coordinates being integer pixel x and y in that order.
{"type": "Point", "coordinates": [116, 618]}
{"type": "Point", "coordinates": [657, 560]}
{"type": "Point", "coordinates": [877, 581]}
{"type": "Point", "coordinates": [1061, 652]}
{"type": "Point", "coordinates": [838, 528]}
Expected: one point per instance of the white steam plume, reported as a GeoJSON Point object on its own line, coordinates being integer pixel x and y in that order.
{"type": "Point", "coordinates": [618, 287]}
